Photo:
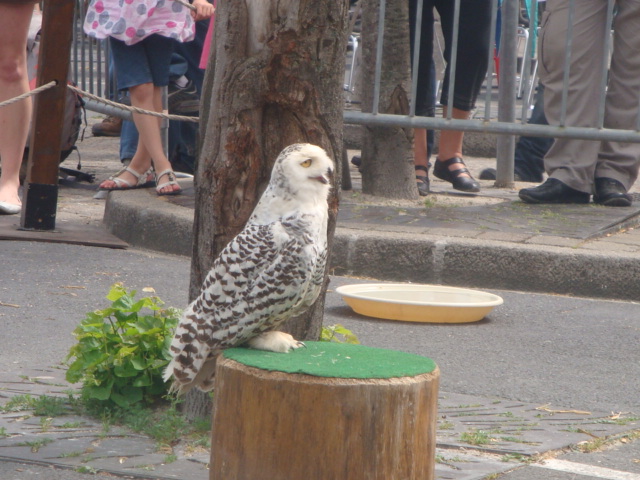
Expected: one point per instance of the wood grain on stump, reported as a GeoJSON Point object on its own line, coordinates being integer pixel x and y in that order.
{"type": "Point", "coordinates": [330, 411]}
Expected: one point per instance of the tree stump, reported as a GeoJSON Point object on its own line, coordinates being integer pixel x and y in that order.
{"type": "Point", "coordinates": [328, 411]}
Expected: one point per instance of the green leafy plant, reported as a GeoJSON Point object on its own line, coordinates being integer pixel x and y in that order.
{"type": "Point", "coordinates": [121, 351]}
{"type": "Point", "coordinates": [338, 333]}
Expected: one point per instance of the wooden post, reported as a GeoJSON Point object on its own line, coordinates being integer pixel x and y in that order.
{"type": "Point", "coordinates": [278, 425]}
{"type": "Point", "coordinates": [41, 190]}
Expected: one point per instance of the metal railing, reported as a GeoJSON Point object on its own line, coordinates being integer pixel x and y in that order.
{"type": "Point", "coordinates": [507, 124]}
{"type": "Point", "coordinates": [90, 60]}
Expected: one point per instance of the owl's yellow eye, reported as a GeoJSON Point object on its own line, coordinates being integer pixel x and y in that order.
{"type": "Point", "coordinates": [306, 163]}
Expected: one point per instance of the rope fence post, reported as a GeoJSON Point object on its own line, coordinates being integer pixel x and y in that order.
{"type": "Point", "coordinates": [41, 185]}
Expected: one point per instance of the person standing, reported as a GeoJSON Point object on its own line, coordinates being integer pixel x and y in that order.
{"type": "Point", "coordinates": [577, 168]}
{"type": "Point", "coordinates": [141, 37]}
{"type": "Point", "coordinates": [15, 119]}
{"type": "Point", "coordinates": [474, 42]}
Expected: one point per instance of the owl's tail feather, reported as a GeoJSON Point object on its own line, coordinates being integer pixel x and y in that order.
{"type": "Point", "coordinates": [204, 379]}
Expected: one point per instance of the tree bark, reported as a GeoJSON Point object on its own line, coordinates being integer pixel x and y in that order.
{"type": "Point", "coordinates": [387, 152]}
{"type": "Point", "coordinates": [275, 78]}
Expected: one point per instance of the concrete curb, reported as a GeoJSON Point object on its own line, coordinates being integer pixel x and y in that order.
{"type": "Point", "coordinates": [485, 264]}
{"type": "Point", "coordinates": [144, 220]}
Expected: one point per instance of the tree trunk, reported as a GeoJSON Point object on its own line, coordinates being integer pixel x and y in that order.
{"type": "Point", "coordinates": [274, 425]}
{"type": "Point", "coordinates": [275, 78]}
{"type": "Point", "coordinates": [387, 152]}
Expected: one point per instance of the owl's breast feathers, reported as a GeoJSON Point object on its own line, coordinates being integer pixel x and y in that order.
{"type": "Point", "coordinates": [267, 274]}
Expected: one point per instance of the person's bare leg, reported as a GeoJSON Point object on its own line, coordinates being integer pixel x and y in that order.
{"type": "Point", "coordinates": [148, 97]}
{"type": "Point", "coordinates": [449, 164]}
{"type": "Point", "coordinates": [420, 147]}
{"type": "Point", "coordinates": [15, 118]}
{"type": "Point", "coordinates": [451, 141]}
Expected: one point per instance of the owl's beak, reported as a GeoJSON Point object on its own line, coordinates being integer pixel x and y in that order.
{"type": "Point", "coordinates": [326, 178]}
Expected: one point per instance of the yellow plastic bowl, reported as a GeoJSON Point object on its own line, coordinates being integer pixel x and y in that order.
{"type": "Point", "coordinates": [419, 303]}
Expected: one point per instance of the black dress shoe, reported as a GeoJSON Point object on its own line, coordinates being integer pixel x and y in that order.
{"type": "Point", "coordinates": [553, 191]}
{"type": "Point", "coordinates": [459, 181]}
{"type": "Point", "coordinates": [611, 193]}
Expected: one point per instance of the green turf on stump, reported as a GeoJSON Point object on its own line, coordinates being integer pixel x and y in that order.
{"type": "Point", "coordinates": [337, 360]}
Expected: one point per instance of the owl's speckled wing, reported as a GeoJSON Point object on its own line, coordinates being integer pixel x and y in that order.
{"type": "Point", "coordinates": [266, 275]}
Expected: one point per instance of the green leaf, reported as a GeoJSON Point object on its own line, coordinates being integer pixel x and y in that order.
{"type": "Point", "coordinates": [126, 351]}
{"type": "Point", "coordinates": [142, 381]}
{"type": "Point", "coordinates": [159, 364]}
{"type": "Point", "coordinates": [138, 363]}
{"type": "Point", "coordinates": [75, 372]}
{"type": "Point", "coordinates": [338, 333]}
{"type": "Point", "coordinates": [100, 392]}
{"type": "Point", "coordinates": [127, 396]}
{"type": "Point", "coordinates": [117, 291]}
{"type": "Point", "coordinates": [125, 370]}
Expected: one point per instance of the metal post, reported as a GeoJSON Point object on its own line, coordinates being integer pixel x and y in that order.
{"type": "Point", "coordinates": [41, 192]}
{"type": "Point", "coordinates": [416, 58]}
{"type": "Point", "coordinates": [506, 144]}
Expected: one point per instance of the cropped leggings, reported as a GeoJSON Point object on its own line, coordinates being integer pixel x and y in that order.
{"type": "Point", "coordinates": [474, 41]}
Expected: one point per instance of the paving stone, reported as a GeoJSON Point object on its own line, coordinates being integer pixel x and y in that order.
{"type": "Point", "coordinates": [509, 430]}
{"type": "Point", "coordinates": [509, 427]}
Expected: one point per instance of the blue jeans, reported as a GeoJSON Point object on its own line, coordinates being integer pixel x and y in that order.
{"type": "Point", "coordinates": [144, 62]}
{"type": "Point", "coordinates": [530, 151]}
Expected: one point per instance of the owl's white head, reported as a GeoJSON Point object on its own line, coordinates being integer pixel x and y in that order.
{"type": "Point", "coordinates": [300, 184]}
{"type": "Point", "coordinates": [303, 170]}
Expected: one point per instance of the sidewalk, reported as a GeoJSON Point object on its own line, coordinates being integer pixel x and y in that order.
{"type": "Point", "coordinates": [488, 240]}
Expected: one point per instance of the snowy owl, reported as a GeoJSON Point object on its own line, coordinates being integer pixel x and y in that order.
{"type": "Point", "coordinates": [270, 272]}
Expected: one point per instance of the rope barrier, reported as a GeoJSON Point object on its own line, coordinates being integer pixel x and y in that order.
{"type": "Point", "coordinates": [181, 118]}
{"type": "Point", "coordinates": [82, 93]}
{"type": "Point", "coordinates": [33, 92]}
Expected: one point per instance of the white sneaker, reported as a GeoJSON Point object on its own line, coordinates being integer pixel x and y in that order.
{"type": "Point", "coordinates": [9, 208]}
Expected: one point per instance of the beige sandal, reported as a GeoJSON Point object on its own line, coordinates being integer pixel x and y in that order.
{"type": "Point", "coordinates": [142, 180]}
{"type": "Point", "coordinates": [171, 181]}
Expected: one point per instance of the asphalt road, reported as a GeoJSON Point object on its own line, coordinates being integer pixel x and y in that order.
{"type": "Point", "coordinates": [569, 352]}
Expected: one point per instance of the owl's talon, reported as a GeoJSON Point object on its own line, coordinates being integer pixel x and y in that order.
{"type": "Point", "coordinates": [275, 341]}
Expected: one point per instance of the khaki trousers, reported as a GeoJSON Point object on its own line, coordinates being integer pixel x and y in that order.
{"type": "Point", "coordinates": [577, 162]}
